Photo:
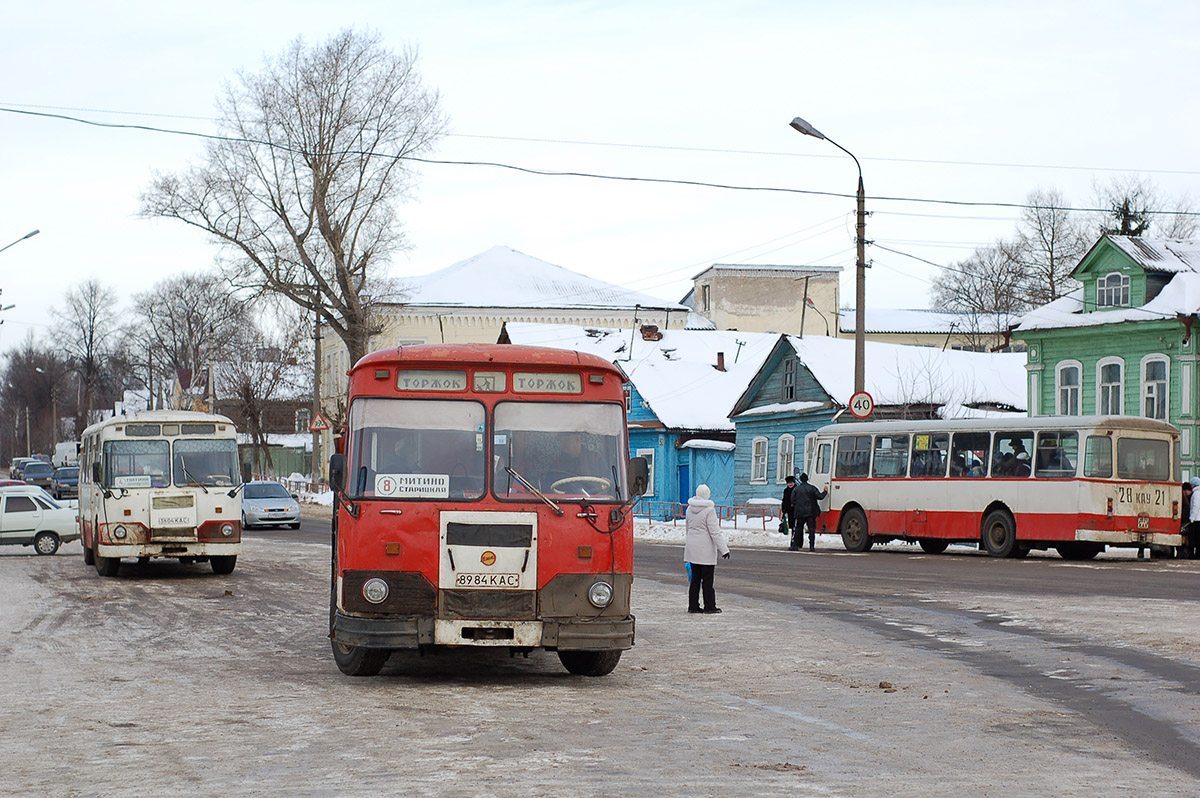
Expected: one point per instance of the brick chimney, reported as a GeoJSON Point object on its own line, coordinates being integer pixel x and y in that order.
{"type": "Point", "coordinates": [720, 361]}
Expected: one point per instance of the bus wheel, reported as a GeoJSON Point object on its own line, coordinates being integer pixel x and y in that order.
{"type": "Point", "coordinates": [933, 545]}
{"type": "Point", "coordinates": [590, 663]}
{"type": "Point", "coordinates": [359, 661]}
{"type": "Point", "coordinates": [88, 559]}
{"type": "Point", "coordinates": [855, 535]}
{"type": "Point", "coordinates": [1000, 535]}
{"type": "Point", "coordinates": [45, 543]}
{"type": "Point", "coordinates": [1079, 551]}
{"type": "Point", "coordinates": [223, 565]}
{"type": "Point", "coordinates": [107, 566]}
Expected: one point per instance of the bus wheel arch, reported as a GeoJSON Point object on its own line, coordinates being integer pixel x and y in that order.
{"type": "Point", "coordinates": [358, 660]}
{"type": "Point", "coordinates": [852, 525]}
{"type": "Point", "coordinates": [999, 533]}
{"type": "Point", "coordinates": [590, 663]}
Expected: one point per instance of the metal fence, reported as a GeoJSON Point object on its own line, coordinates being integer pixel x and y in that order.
{"type": "Point", "coordinates": [765, 516]}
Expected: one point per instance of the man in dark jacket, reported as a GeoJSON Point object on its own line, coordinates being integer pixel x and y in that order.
{"type": "Point", "coordinates": [785, 508]}
{"type": "Point", "coordinates": [805, 510]}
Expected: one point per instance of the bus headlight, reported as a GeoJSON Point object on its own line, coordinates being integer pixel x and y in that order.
{"type": "Point", "coordinates": [227, 530]}
{"type": "Point", "coordinates": [600, 594]}
{"type": "Point", "coordinates": [119, 533]}
{"type": "Point", "coordinates": [375, 590]}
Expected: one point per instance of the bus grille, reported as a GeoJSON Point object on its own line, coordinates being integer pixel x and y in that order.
{"type": "Point", "coordinates": [171, 502]}
{"type": "Point", "coordinates": [514, 605]}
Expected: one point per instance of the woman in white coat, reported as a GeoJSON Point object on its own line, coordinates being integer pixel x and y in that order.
{"type": "Point", "coordinates": [704, 542]}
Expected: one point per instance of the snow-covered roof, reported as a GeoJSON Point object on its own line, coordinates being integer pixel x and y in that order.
{"type": "Point", "coordinates": [1180, 295]}
{"type": "Point", "coordinates": [505, 278]}
{"type": "Point", "coordinates": [288, 440]}
{"type": "Point", "coordinates": [750, 269]}
{"type": "Point", "coordinates": [896, 374]}
{"type": "Point", "coordinates": [716, 446]}
{"type": "Point", "coordinates": [899, 320]}
{"type": "Point", "coordinates": [1160, 254]}
{"type": "Point", "coordinates": [677, 375]}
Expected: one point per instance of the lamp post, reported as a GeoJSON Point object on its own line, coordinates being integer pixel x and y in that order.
{"type": "Point", "coordinates": [809, 303]}
{"type": "Point", "coordinates": [19, 240]}
{"type": "Point", "coordinates": [860, 283]}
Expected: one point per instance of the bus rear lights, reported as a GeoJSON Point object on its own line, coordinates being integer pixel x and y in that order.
{"type": "Point", "coordinates": [600, 594]}
{"type": "Point", "coordinates": [375, 590]}
{"type": "Point", "coordinates": [1110, 508]}
{"type": "Point", "coordinates": [1175, 509]}
{"type": "Point", "coordinates": [227, 530]}
{"type": "Point", "coordinates": [119, 533]}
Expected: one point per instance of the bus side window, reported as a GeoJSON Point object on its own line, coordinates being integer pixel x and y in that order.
{"type": "Point", "coordinates": [929, 455]}
{"type": "Point", "coordinates": [853, 456]}
{"type": "Point", "coordinates": [823, 457]}
{"type": "Point", "coordinates": [1097, 458]}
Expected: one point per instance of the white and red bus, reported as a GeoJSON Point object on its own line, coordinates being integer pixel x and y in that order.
{"type": "Point", "coordinates": [482, 498]}
{"type": "Point", "coordinates": [1072, 483]}
{"type": "Point", "coordinates": [160, 483]}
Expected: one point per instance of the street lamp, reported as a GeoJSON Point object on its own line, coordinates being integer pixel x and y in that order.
{"type": "Point", "coordinates": [19, 240]}
{"type": "Point", "coordinates": [809, 303]}
{"type": "Point", "coordinates": [860, 283]}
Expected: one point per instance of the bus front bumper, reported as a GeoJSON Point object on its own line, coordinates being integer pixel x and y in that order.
{"type": "Point", "coordinates": [561, 635]}
{"type": "Point", "coordinates": [168, 549]}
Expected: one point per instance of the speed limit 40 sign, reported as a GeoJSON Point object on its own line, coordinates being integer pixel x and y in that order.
{"type": "Point", "coordinates": [862, 405]}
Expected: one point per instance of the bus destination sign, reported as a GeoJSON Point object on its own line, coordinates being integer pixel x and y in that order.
{"type": "Point", "coordinates": [416, 380]}
{"type": "Point", "coordinates": [537, 382]}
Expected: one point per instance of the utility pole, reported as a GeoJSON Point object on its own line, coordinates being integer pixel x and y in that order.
{"type": "Point", "coordinates": [28, 451]}
{"type": "Point", "coordinates": [316, 398]}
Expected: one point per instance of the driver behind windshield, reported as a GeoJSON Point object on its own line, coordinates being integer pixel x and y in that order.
{"type": "Point", "coordinates": [573, 459]}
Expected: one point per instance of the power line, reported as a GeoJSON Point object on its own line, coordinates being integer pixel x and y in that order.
{"type": "Point", "coordinates": [587, 175]}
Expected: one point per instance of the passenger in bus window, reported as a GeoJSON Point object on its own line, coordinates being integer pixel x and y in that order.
{"type": "Point", "coordinates": [404, 455]}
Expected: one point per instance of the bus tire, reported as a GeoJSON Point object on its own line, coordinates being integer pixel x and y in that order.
{"type": "Point", "coordinates": [933, 545]}
{"type": "Point", "coordinates": [359, 661]}
{"type": "Point", "coordinates": [1079, 551]}
{"type": "Point", "coordinates": [589, 663]}
{"type": "Point", "coordinates": [45, 543]}
{"type": "Point", "coordinates": [1000, 535]}
{"type": "Point", "coordinates": [88, 558]}
{"type": "Point", "coordinates": [855, 535]}
{"type": "Point", "coordinates": [224, 564]}
{"type": "Point", "coordinates": [107, 566]}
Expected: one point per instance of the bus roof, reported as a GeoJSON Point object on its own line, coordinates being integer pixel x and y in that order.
{"type": "Point", "coordinates": [497, 354]}
{"type": "Point", "coordinates": [1136, 423]}
{"type": "Point", "coordinates": [159, 417]}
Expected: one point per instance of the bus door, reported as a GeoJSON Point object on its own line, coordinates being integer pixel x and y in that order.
{"type": "Point", "coordinates": [818, 457]}
{"type": "Point", "coordinates": [929, 460]}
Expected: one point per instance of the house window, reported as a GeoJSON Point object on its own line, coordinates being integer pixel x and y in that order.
{"type": "Point", "coordinates": [1110, 386]}
{"type": "Point", "coordinates": [1154, 387]}
{"type": "Point", "coordinates": [1068, 388]}
{"type": "Point", "coordinates": [1112, 291]}
{"type": "Point", "coordinates": [789, 379]}
{"type": "Point", "coordinates": [303, 419]}
{"type": "Point", "coordinates": [758, 462]}
{"type": "Point", "coordinates": [649, 455]}
{"type": "Point", "coordinates": [704, 298]}
{"type": "Point", "coordinates": [627, 389]}
{"type": "Point", "coordinates": [785, 459]}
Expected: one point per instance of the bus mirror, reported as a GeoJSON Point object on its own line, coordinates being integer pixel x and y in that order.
{"type": "Point", "coordinates": [96, 472]}
{"type": "Point", "coordinates": [246, 475]}
{"type": "Point", "coordinates": [639, 476]}
{"type": "Point", "coordinates": [337, 472]}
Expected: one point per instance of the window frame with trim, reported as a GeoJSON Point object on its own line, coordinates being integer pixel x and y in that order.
{"type": "Point", "coordinates": [649, 455]}
{"type": "Point", "coordinates": [1112, 296]}
{"type": "Point", "coordinates": [1107, 391]}
{"type": "Point", "coordinates": [1163, 400]}
{"type": "Point", "coordinates": [1059, 403]}
{"type": "Point", "coordinates": [758, 460]}
{"type": "Point", "coordinates": [782, 472]}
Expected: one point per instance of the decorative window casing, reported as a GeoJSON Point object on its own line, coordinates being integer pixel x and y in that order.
{"type": "Point", "coordinates": [1067, 379]}
{"type": "Point", "coordinates": [758, 462]}
{"type": "Point", "coordinates": [1110, 386]}
{"type": "Point", "coordinates": [1156, 371]}
{"type": "Point", "coordinates": [789, 379]}
{"type": "Point", "coordinates": [785, 458]}
{"type": "Point", "coordinates": [649, 455]}
{"type": "Point", "coordinates": [303, 419]}
{"type": "Point", "coordinates": [1112, 291]}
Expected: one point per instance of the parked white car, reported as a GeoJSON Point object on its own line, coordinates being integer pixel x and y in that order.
{"type": "Point", "coordinates": [30, 516]}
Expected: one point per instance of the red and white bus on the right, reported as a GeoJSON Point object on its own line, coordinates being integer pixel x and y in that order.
{"type": "Point", "coordinates": [1072, 483]}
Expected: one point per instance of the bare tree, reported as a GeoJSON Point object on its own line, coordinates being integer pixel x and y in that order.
{"type": "Point", "coordinates": [1134, 206]}
{"type": "Point", "coordinates": [1050, 241]}
{"type": "Point", "coordinates": [187, 324]}
{"type": "Point", "coordinates": [987, 288]}
{"type": "Point", "coordinates": [300, 196]}
{"type": "Point", "coordinates": [85, 331]}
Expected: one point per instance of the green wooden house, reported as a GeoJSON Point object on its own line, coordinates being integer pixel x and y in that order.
{"type": "Point", "coordinates": [1124, 343]}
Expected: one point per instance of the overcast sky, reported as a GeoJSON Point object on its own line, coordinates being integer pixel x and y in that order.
{"type": "Point", "coordinates": [970, 102]}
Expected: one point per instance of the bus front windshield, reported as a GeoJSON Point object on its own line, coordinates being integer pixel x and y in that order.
{"type": "Point", "coordinates": [210, 463]}
{"type": "Point", "coordinates": [137, 464]}
{"type": "Point", "coordinates": [416, 449]}
{"type": "Point", "coordinates": [566, 451]}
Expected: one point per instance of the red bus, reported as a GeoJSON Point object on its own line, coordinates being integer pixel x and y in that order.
{"type": "Point", "coordinates": [482, 498]}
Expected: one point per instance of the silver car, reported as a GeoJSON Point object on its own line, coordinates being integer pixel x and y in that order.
{"type": "Point", "coordinates": [266, 503]}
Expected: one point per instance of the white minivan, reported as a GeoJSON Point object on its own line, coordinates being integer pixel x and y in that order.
{"type": "Point", "coordinates": [31, 517]}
